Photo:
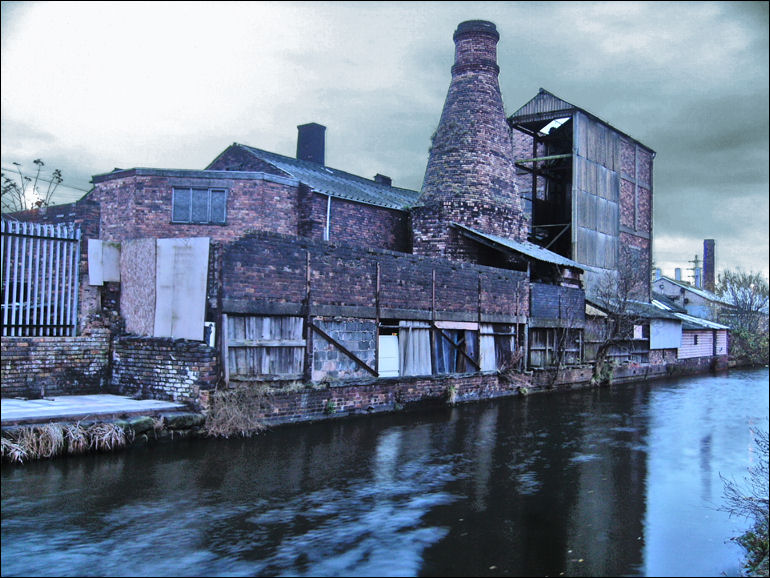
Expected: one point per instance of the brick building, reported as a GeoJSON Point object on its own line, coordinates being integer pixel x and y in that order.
{"type": "Point", "coordinates": [312, 273]}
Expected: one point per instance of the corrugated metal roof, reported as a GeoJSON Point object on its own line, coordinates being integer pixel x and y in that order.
{"type": "Point", "coordinates": [527, 248]}
{"type": "Point", "coordinates": [638, 309]}
{"type": "Point", "coordinates": [546, 106]}
{"type": "Point", "coordinates": [690, 322]}
{"type": "Point", "coordinates": [338, 183]}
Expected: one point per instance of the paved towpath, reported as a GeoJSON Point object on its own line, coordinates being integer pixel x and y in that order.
{"type": "Point", "coordinates": [76, 407]}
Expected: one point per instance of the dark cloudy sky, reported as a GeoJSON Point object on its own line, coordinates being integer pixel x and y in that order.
{"type": "Point", "coordinates": [92, 86]}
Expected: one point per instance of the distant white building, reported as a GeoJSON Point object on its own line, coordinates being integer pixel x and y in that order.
{"type": "Point", "coordinates": [695, 301]}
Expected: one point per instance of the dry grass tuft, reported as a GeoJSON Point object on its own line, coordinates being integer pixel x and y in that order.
{"type": "Point", "coordinates": [236, 412]}
{"type": "Point", "coordinates": [76, 438]}
{"type": "Point", "coordinates": [50, 440]}
{"type": "Point", "coordinates": [107, 436]}
{"type": "Point", "coordinates": [13, 451]}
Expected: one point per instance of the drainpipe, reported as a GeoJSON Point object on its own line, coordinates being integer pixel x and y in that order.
{"type": "Point", "coordinates": [327, 228]}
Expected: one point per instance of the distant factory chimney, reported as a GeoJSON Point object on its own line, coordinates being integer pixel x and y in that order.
{"type": "Point", "coordinates": [678, 273]}
{"type": "Point", "coordinates": [709, 260]}
{"type": "Point", "coordinates": [658, 274]}
{"type": "Point", "coordinates": [470, 178]}
{"type": "Point", "coordinates": [311, 142]}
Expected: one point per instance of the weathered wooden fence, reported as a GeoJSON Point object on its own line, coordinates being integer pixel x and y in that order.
{"type": "Point", "coordinates": [40, 265]}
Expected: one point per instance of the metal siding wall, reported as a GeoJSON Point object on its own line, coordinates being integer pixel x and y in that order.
{"type": "Point", "coordinates": [596, 193]}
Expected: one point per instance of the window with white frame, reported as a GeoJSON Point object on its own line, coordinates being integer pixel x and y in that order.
{"type": "Point", "coordinates": [203, 206]}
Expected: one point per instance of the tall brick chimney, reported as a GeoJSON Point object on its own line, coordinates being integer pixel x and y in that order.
{"type": "Point", "coordinates": [311, 142]}
{"type": "Point", "coordinates": [709, 258]}
{"type": "Point", "coordinates": [470, 176]}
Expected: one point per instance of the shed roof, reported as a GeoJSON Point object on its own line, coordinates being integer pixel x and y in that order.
{"type": "Point", "coordinates": [694, 323]}
{"type": "Point", "coordinates": [524, 247]}
{"type": "Point", "coordinates": [337, 183]}
{"type": "Point", "coordinates": [640, 309]}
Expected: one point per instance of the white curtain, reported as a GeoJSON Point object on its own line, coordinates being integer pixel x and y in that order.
{"type": "Point", "coordinates": [414, 348]}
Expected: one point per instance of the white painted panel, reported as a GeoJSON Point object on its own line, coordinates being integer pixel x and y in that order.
{"type": "Point", "coordinates": [180, 282]}
{"type": "Point", "coordinates": [110, 261]}
{"type": "Point", "coordinates": [466, 325]}
{"type": "Point", "coordinates": [388, 361]}
{"type": "Point", "coordinates": [95, 273]}
{"type": "Point", "coordinates": [665, 334]}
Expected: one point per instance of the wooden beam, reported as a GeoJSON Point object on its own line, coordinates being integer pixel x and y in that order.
{"type": "Point", "coordinates": [542, 159]}
{"type": "Point", "coordinates": [268, 343]}
{"type": "Point", "coordinates": [343, 349]}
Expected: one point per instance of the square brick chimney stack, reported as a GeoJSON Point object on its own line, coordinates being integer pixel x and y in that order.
{"type": "Point", "coordinates": [311, 142]}
{"type": "Point", "coordinates": [470, 178]}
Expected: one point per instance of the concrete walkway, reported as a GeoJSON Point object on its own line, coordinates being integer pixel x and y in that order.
{"type": "Point", "coordinates": [76, 407]}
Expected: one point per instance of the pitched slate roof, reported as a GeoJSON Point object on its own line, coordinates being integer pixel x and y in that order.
{"type": "Point", "coordinates": [524, 247]}
{"type": "Point", "coordinates": [336, 183]}
{"type": "Point", "coordinates": [708, 295]}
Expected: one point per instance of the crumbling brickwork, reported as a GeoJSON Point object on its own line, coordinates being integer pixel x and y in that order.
{"type": "Point", "coordinates": [159, 368]}
{"type": "Point", "coordinates": [49, 366]}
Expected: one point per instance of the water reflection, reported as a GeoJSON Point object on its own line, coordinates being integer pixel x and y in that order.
{"type": "Point", "coordinates": [619, 481]}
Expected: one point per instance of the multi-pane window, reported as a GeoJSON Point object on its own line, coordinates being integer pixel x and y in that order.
{"type": "Point", "coordinates": [199, 205]}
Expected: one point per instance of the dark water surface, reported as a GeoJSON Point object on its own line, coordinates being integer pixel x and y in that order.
{"type": "Point", "coordinates": [611, 482]}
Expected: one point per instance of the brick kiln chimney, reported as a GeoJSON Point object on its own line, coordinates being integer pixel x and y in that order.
{"type": "Point", "coordinates": [470, 176]}
{"type": "Point", "coordinates": [311, 142]}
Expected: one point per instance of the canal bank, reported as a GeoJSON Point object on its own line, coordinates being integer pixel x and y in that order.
{"type": "Point", "coordinates": [613, 481]}
{"type": "Point", "coordinates": [56, 426]}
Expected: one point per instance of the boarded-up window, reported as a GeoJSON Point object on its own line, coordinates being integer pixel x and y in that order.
{"type": "Point", "coordinates": [199, 205]}
{"type": "Point", "coordinates": [447, 347]}
{"type": "Point", "coordinates": [265, 347]}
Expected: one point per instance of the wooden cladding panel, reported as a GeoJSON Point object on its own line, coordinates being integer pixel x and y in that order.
{"type": "Point", "coordinates": [265, 346]}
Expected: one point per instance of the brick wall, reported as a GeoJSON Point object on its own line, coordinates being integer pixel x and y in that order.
{"type": "Point", "coordinates": [159, 368]}
{"type": "Point", "coordinates": [137, 203]}
{"type": "Point", "coordinates": [382, 395]}
{"type": "Point", "coordinates": [271, 269]}
{"type": "Point", "coordinates": [556, 302]}
{"type": "Point", "coordinates": [53, 366]}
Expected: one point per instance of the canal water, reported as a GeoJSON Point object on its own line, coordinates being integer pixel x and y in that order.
{"type": "Point", "coordinates": [611, 482]}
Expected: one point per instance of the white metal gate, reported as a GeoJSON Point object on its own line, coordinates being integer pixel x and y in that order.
{"type": "Point", "coordinates": [40, 265]}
